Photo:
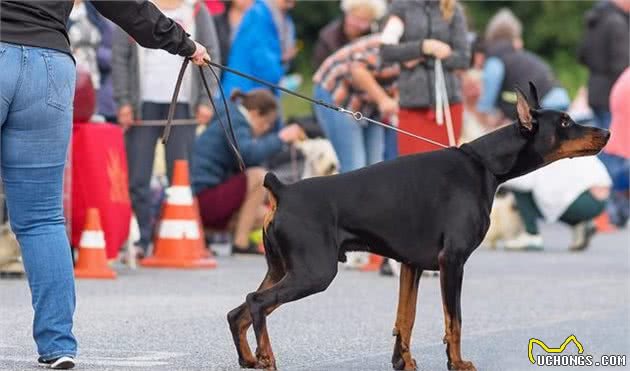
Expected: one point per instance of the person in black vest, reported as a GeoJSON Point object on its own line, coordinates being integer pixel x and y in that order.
{"type": "Point", "coordinates": [508, 65]}
{"type": "Point", "coordinates": [36, 93]}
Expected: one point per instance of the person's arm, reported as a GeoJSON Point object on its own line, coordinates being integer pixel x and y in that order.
{"type": "Point", "coordinates": [147, 25]}
{"type": "Point", "coordinates": [121, 54]}
{"type": "Point", "coordinates": [207, 36]}
{"type": "Point", "coordinates": [493, 75]}
{"type": "Point", "coordinates": [256, 150]}
{"type": "Point", "coordinates": [363, 79]}
{"type": "Point", "coordinates": [460, 47]}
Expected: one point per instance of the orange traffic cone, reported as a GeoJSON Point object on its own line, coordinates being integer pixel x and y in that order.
{"type": "Point", "coordinates": [92, 262]}
{"type": "Point", "coordinates": [603, 224]}
{"type": "Point", "coordinates": [180, 241]}
{"type": "Point", "coordinates": [373, 264]}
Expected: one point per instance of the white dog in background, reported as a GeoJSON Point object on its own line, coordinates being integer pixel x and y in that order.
{"type": "Point", "coordinates": [320, 158]}
{"type": "Point", "coordinates": [505, 222]}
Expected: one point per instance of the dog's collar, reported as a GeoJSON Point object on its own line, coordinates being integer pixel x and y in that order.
{"type": "Point", "coordinates": [468, 150]}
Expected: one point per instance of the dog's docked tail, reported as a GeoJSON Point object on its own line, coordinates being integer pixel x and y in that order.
{"type": "Point", "coordinates": [273, 184]}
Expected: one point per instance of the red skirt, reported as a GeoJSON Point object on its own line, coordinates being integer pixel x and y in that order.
{"type": "Point", "coordinates": [421, 121]}
{"type": "Point", "coordinates": [218, 204]}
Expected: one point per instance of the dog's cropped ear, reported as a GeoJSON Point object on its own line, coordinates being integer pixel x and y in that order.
{"type": "Point", "coordinates": [534, 95]}
{"type": "Point", "coordinates": [525, 118]}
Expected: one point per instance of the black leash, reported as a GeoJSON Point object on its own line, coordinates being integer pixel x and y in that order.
{"type": "Point", "coordinates": [357, 116]}
{"type": "Point", "coordinates": [229, 134]}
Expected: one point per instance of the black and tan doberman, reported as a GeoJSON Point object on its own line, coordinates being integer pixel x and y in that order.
{"type": "Point", "coordinates": [429, 211]}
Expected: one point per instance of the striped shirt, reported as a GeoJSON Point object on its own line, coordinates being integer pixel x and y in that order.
{"type": "Point", "coordinates": [334, 75]}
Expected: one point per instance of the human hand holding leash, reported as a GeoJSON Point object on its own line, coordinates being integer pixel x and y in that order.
{"type": "Point", "coordinates": [437, 48]}
{"type": "Point", "coordinates": [200, 57]}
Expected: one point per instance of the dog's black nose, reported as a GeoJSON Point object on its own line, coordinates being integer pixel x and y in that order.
{"type": "Point", "coordinates": [607, 134]}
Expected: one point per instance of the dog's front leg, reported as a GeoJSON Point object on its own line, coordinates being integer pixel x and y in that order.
{"type": "Point", "coordinates": [451, 275]}
{"type": "Point", "coordinates": [405, 317]}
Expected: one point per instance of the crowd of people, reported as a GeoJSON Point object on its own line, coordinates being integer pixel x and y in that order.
{"type": "Point", "coordinates": [410, 64]}
{"type": "Point", "coordinates": [414, 65]}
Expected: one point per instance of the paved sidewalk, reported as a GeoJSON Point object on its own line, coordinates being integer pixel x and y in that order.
{"type": "Point", "coordinates": [175, 320]}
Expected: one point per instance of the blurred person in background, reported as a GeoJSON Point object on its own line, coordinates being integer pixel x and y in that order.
{"type": "Point", "coordinates": [616, 155]}
{"type": "Point", "coordinates": [356, 21]}
{"type": "Point", "coordinates": [416, 34]}
{"type": "Point", "coordinates": [356, 78]}
{"type": "Point", "coordinates": [225, 193]}
{"type": "Point", "coordinates": [227, 24]}
{"type": "Point", "coordinates": [263, 44]}
{"type": "Point", "coordinates": [106, 103]}
{"type": "Point", "coordinates": [508, 65]}
{"type": "Point", "coordinates": [143, 86]}
{"type": "Point", "coordinates": [573, 191]}
{"type": "Point", "coordinates": [85, 38]}
{"type": "Point", "coordinates": [36, 93]}
{"type": "Point", "coordinates": [605, 51]}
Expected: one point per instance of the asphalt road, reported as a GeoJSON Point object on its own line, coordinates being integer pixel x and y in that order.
{"type": "Point", "coordinates": [175, 320]}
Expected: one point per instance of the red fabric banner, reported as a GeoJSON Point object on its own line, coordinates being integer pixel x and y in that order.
{"type": "Point", "coordinates": [99, 179]}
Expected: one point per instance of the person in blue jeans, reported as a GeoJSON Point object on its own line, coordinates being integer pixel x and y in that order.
{"type": "Point", "coordinates": [356, 79]}
{"type": "Point", "coordinates": [36, 94]}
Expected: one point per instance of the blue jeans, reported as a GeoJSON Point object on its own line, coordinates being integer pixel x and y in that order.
{"type": "Point", "coordinates": [36, 93]}
{"type": "Point", "coordinates": [356, 145]}
{"type": "Point", "coordinates": [602, 118]}
{"type": "Point", "coordinates": [557, 98]}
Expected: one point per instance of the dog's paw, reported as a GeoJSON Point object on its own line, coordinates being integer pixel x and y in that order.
{"type": "Point", "coordinates": [245, 363]}
{"type": "Point", "coordinates": [462, 366]}
{"type": "Point", "coordinates": [265, 363]}
{"type": "Point", "coordinates": [400, 364]}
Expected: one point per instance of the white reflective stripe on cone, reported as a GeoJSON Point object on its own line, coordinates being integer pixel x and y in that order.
{"type": "Point", "coordinates": [179, 195]}
{"type": "Point", "coordinates": [92, 240]}
{"type": "Point", "coordinates": [179, 229]}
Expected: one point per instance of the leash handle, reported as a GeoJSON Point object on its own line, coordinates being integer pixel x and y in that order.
{"type": "Point", "coordinates": [229, 135]}
{"type": "Point", "coordinates": [171, 110]}
{"type": "Point", "coordinates": [443, 109]}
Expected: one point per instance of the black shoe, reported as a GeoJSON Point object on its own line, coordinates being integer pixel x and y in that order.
{"type": "Point", "coordinates": [251, 249]}
{"type": "Point", "coordinates": [61, 363]}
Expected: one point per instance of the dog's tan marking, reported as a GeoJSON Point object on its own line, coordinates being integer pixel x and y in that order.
{"type": "Point", "coordinates": [452, 339]}
{"type": "Point", "coordinates": [271, 213]}
{"type": "Point", "coordinates": [405, 317]}
{"type": "Point", "coordinates": [587, 145]}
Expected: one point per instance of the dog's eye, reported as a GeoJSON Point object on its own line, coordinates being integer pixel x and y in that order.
{"type": "Point", "coordinates": [565, 123]}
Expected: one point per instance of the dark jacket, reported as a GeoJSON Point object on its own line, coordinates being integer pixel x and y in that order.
{"type": "Point", "coordinates": [604, 50]}
{"type": "Point", "coordinates": [423, 20]}
{"type": "Point", "coordinates": [212, 160]}
{"type": "Point", "coordinates": [331, 38]}
{"type": "Point", "coordinates": [43, 24]}
{"type": "Point", "coordinates": [224, 34]}
{"type": "Point", "coordinates": [521, 67]}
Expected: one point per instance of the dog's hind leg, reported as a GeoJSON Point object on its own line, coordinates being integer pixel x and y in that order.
{"type": "Point", "coordinates": [451, 275]}
{"type": "Point", "coordinates": [240, 318]}
{"type": "Point", "coordinates": [294, 285]}
{"type": "Point", "coordinates": [405, 317]}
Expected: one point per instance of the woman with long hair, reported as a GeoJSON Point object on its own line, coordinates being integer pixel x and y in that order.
{"type": "Point", "coordinates": [417, 34]}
